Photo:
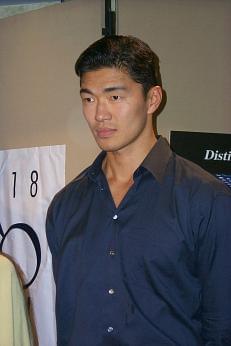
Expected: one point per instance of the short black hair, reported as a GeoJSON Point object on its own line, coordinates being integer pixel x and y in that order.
{"type": "Point", "coordinates": [126, 53]}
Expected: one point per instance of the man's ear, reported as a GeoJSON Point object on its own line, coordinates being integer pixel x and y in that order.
{"type": "Point", "coordinates": [154, 98]}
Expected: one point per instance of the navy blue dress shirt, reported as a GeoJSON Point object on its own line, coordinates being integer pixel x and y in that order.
{"type": "Point", "coordinates": [156, 270]}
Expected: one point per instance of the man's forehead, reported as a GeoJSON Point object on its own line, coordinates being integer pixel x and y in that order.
{"type": "Point", "coordinates": [107, 79]}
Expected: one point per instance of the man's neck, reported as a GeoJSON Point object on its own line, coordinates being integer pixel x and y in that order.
{"type": "Point", "coordinates": [121, 165]}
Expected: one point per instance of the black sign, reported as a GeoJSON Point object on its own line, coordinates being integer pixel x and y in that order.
{"type": "Point", "coordinates": [211, 151]}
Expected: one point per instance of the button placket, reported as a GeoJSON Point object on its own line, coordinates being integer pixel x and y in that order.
{"type": "Point", "coordinates": [112, 252]}
{"type": "Point", "coordinates": [111, 291]}
{"type": "Point", "coordinates": [113, 268]}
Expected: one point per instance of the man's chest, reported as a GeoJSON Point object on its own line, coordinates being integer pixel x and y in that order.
{"type": "Point", "coordinates": [150, 228]}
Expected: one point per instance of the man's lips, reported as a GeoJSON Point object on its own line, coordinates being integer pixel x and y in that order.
{"type": "Point", "coordinates": [105, 132]}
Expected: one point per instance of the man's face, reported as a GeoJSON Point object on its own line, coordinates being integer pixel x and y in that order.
{"type": "Point", "coordinates": [115, 108]}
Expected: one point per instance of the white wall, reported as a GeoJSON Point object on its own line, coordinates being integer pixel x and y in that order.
{"type": "Point", "coordinates": [39, 92]}
{"type": "Point", "coordinates": [192, 40]}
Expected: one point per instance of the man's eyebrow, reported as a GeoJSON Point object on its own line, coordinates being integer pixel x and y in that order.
{"type": "Point", "coordinates": [115, 88]}
{"type": "Point", "coordinates": [85, 90]}
{"type": "Point", "coordinates": [107, 90]}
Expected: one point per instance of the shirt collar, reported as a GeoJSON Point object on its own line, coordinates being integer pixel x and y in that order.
{"type": "Point", "coordinates": [157, 159]}
{"type": "Point", "coordinates": [155, 162]}
{"type": "Point", "coordinates": [96, 166]}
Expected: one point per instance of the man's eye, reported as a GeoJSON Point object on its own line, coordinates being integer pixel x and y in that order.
{"type": "Point", "coordinates": [88, 99]}
{"type": "Point", "coordinates": [116, 98]}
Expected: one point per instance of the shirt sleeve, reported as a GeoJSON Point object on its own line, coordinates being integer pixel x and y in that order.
{"type": "Point", "coordinates": [214, 269]}
{"type": "Point", "coordinates": [52, 228]}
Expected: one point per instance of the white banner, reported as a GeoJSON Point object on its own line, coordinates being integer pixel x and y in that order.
{"type": "Point", "coordinates": [29, 178]}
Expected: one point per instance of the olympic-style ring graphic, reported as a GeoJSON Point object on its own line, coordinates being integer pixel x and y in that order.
{"type": "Point", "coordinates": [34, 239]}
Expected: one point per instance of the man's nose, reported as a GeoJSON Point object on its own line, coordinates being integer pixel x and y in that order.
{"type": "Point", "coordinates": [102, 112]}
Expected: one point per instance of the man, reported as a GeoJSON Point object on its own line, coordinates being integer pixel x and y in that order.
{"type": "Point", "coordinates": [141, 240]}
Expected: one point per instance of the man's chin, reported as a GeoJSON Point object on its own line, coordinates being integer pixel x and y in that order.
{"type": "Point", "coordinates": [108, 147]}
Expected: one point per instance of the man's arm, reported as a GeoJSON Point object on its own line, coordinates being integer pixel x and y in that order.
{"type": "Point", "coordinates": [51, 233]}
{"type": "Point", "coordinates": [214, 268]}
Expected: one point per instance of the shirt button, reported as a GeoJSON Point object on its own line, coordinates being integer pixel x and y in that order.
{"type": "Point", "coordinates": [115, 217]}
{"type": "Point", "coordinates": [110, 329]}
{"type": "Point", "coordinates": [112, 252]}
{"type": "Point", "coordinates": [111, 291]}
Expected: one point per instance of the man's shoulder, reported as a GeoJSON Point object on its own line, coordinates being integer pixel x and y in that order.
{"type": "Point", "coordinates": [194, 177]}
{"type": "Point", "coordinates": [76, 186]}
{"type": "Point", "coordinates": [79, 179]}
